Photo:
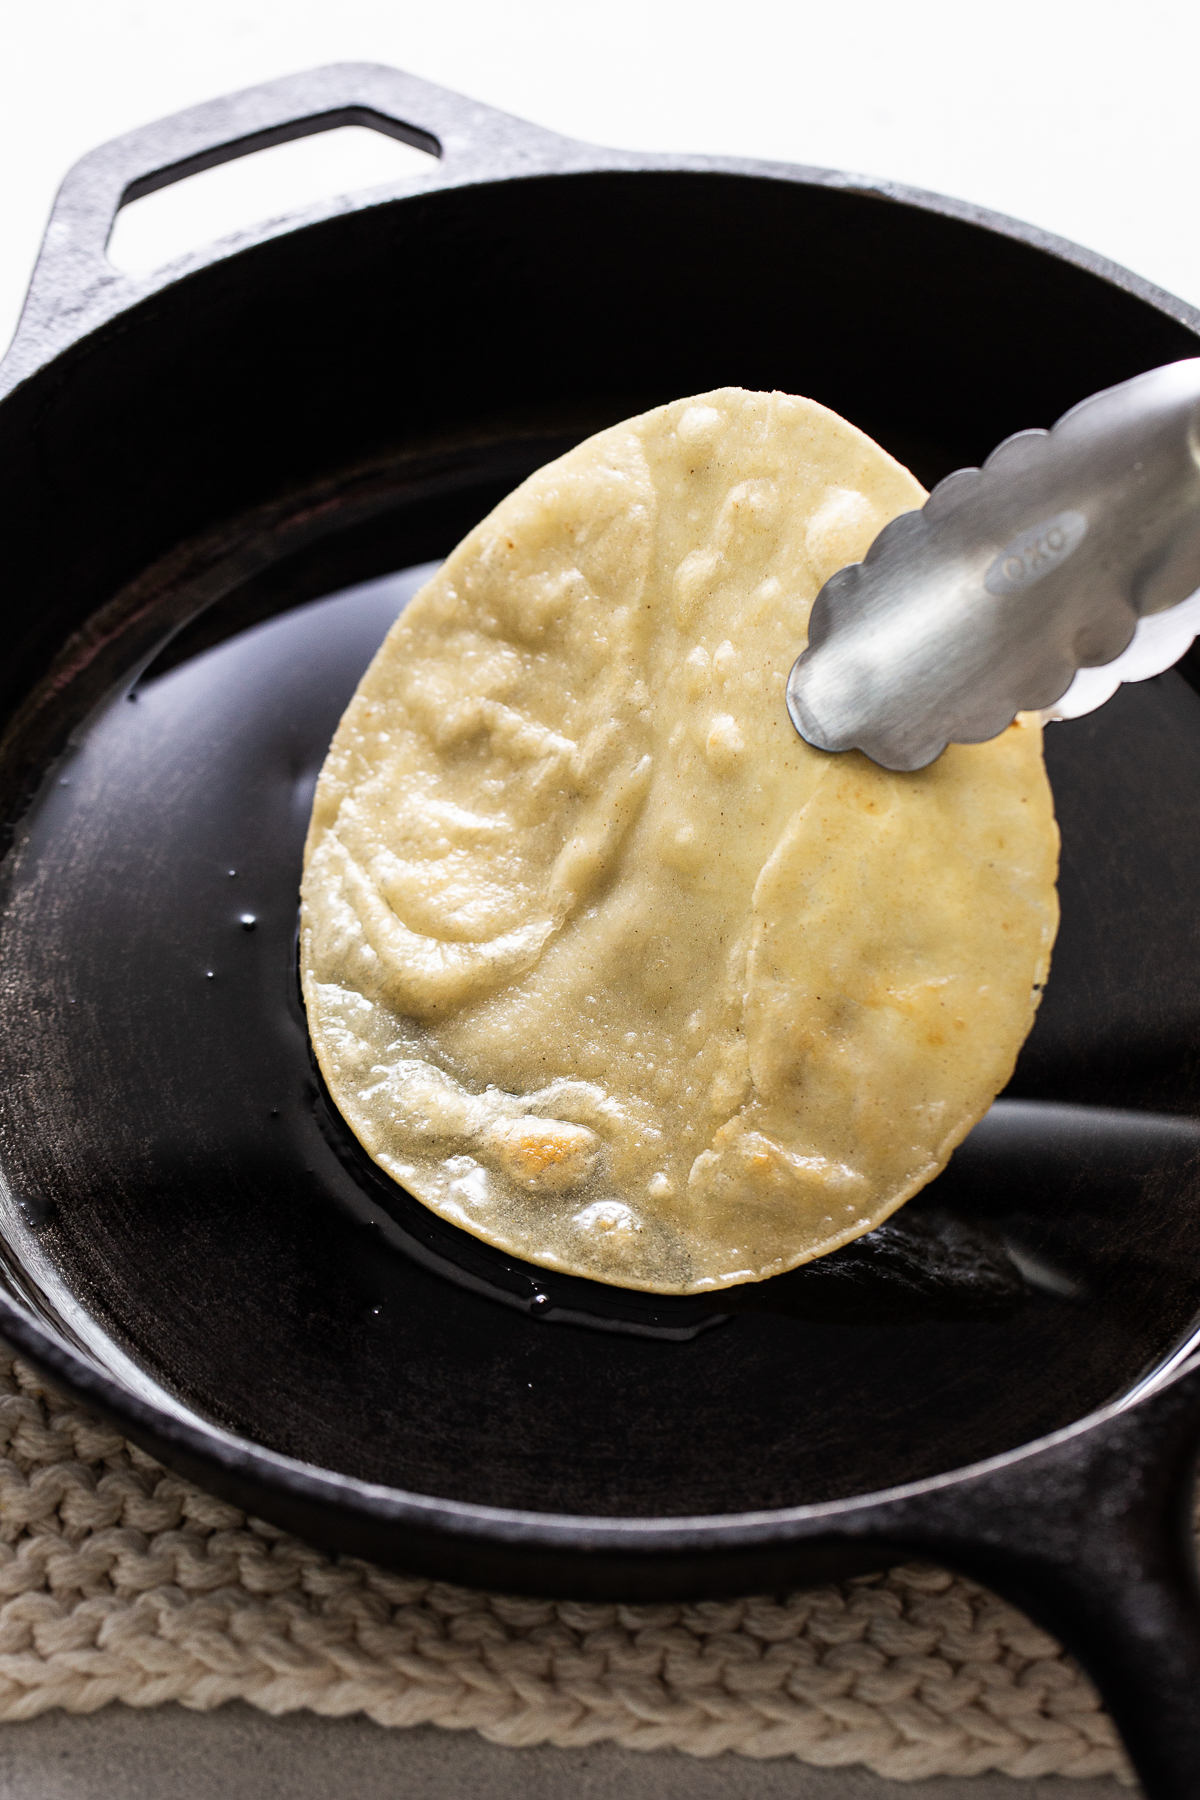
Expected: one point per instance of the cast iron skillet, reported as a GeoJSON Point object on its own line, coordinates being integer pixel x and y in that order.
{"type": "Point", "coordinates": [214, 481]}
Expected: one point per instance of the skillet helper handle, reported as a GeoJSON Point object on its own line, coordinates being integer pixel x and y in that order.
{"type": "Point", "coordinates": [1093, 1536]}
{"type": "Point", "coordinates": [75, 288]}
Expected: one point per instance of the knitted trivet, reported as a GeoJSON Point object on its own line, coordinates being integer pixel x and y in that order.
{"type": "Point", "coordinates": [119, 1581]}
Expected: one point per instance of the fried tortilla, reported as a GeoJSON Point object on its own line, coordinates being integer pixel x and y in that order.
{"type": "Point", "coordinates": [601, 961]}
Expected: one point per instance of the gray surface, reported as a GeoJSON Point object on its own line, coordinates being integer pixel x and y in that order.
{"type": "Point", "coordinates": [239, 1754]}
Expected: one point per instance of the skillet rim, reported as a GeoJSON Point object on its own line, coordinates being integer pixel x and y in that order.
{"type": "Point", "coordinates": [55, 321]}
{"type": "Point", "coordinates": [518, 1528]}
{"type": "Point", "coordinates": [57, 324]}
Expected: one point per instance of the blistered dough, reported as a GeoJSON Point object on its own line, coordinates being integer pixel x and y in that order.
{"type": "Point", "coordinates": [601, 960]}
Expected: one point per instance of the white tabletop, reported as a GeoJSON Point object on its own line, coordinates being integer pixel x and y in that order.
{"type": "Point", "coordinates": [1076, 114]}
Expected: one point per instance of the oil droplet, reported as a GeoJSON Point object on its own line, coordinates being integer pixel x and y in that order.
{"type": "Point", "coordinates": [208, 973]}
{"type": "Point", "coordinates": [248, 921]}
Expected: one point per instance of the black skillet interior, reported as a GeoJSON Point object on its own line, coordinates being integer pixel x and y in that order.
{"type": "Point", "coordinates": [312, 422]}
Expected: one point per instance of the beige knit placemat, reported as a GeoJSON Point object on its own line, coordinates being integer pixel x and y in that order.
{"type": "Point", "coordinates": [120, 1581]}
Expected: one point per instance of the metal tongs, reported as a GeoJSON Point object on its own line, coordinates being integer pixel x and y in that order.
{"type": "Point", "coordinates": [1068, 563]}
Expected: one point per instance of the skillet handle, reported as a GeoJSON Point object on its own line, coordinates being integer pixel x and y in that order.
{"type": "Point", "coordinates": [1092, 1535]}
{"type": "Point", "coordinates": [74, 287]}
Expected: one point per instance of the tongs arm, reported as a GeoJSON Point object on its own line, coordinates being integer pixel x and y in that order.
{"type": "Point", "coordinates": [1010, 579]}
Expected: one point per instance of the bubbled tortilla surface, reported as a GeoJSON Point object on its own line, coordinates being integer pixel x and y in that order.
{"type": "Point", "coordinates": [601, 960]}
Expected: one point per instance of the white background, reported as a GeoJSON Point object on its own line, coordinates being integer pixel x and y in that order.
{"type": "Point", "coordinates": [1080, 117]}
